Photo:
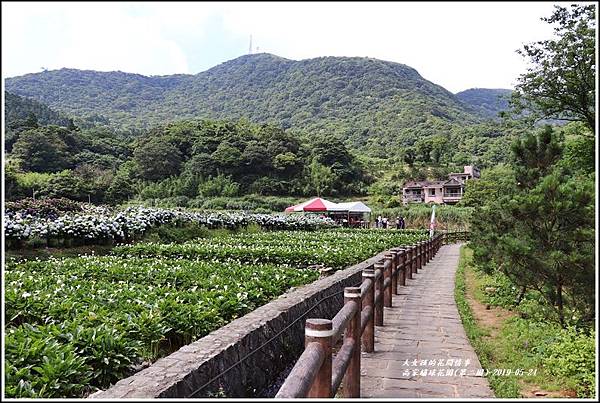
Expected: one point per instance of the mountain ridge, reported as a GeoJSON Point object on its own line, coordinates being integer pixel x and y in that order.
{"type": "Point", "coordinates": [369, 103]}
{"type": "Point", "coordinates": [488, 101]}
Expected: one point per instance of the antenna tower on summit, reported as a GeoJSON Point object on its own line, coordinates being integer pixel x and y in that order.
{"type": "Point", "coordinates": [250, 47]}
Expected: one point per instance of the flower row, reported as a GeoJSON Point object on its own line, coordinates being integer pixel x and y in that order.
{"type": "Point", "coordinates": [133, 222]}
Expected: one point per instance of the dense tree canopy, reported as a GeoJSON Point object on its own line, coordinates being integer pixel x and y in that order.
{"type": "Point", "coordinates": [561, 82]}
{"type": "Point", "coordinates": [493, 184]}
{"type": "Point", "coordinates": [191, 158]}
{"type": "Point", "coordinates": [157, 158]}
{"type": "Point", "coordinates": [18, 110]}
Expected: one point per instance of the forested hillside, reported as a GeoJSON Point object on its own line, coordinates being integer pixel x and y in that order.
{"type": "Point", "coordinates": [373, 104]}
{"type": "Point", "coordinates": [63, 154]}
{"type": "Point", "coordinates": [488, 101]}
{"type": "Point", "coordinates": [18, 110]}
{"type": "Point", "coordinates": [188, 158]}
{"type": "Point", "coordinates": [258, 124]}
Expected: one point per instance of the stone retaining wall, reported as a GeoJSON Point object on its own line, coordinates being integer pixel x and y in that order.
{"type": "Point", "coordinates": [183, 372]}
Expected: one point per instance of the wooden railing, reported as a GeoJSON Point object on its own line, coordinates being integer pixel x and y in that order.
{"type": "Point", "coordinates": [317, 372]}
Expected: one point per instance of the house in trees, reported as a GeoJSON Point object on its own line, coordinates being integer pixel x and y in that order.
{"type": "Point", "coordinates": [448, 191]}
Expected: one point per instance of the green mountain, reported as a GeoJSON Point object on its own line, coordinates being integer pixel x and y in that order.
{"type": "Point", "coordinates": [370, 103]}
{"type": "Point", "coordinates": [18, 110]}
{"type": "Point", "coordinates": [488, 102]}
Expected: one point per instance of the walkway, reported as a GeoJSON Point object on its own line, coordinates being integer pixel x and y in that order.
{"type": "Point", "coordinates": [422, 349]}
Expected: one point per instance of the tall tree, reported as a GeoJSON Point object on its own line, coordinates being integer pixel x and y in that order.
{"type": "Point", "coordinates": [560, 84]}
{"type": "Point", "coordinates": [535, 156]}
{"type": "Point", "coordinates": [42, 150]}
{"type": "Point", "coordinates": [157, 158]}
{"type": "Point", "coordinates": [320, 176]}
{"type": "Point", "coordinates": [541, 234]}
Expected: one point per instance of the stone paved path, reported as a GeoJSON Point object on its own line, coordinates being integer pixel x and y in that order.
{"type": "Point", "coordinates": [424, 325]}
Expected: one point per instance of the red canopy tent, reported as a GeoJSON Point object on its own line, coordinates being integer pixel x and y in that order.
{"type": "Point", "coordinates": [317, 204]}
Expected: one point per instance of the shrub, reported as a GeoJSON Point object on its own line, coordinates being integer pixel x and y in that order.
{"type": "Point", "coordinates": [505, 293]}
{"type": "Point", "coordinates": [219, 185]}
{"type": "Point", "coordinates": [196, 203]}
{"type": "Point", "coordinates": [419, 216]}
{"type": "Point", "coordinates": [66, 184]}
{"type": "Point", "coordinates": [50, 208]}
{"type": "Point", "coordinates": [572, 357]}
{"type": "Point", "coordinates": [176, 201]}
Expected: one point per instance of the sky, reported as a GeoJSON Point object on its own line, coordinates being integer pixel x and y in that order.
{"type": "Point", "coordinates": [457, 45]}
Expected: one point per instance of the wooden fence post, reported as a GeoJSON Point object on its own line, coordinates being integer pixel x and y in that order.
{"type": "Point", "coordinates": [395, 271]}
{"type": "Point", "coordinates": [415, 254]}
{"type": "Point", "coordinates": [352, 377]}
{"type": "Point", "coordinates": [368, 336]}
{"type": "Point", "coordinates": [379, 290]}
{"type": "Point", "coordinates": [418, 257]}
{"type": "Point", "coordinates": [408, 262]}
{"type": "Point", "coordinates": [428, 249]}
{"type": "Point", "coordinates": [320, 331]}
{"type": "Point", "coordinates": [432, 250]}
{"type": "Point", "coordinates": [402, 253]}
{"type": "Point", "coordinates": [413, 263]}
{"type": "Point", "coordinates": [387, 278]}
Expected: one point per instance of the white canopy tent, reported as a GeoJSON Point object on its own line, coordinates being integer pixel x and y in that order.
{"type": "Point", "coordinates": [357, 213]}
{"type": "Point", "coordinates": [355, 207]}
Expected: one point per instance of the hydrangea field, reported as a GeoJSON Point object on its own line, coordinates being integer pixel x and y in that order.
{"type": "Point", "coordinates": [99, 224]}
{"type": "Point", "coordinates": [78, 324]}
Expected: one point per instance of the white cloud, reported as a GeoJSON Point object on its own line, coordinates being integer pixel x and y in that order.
{"type": "Point", "coordinates": [102, 39]}
{"type": "Point", "coordinates": [99, 36]}
{"type": "Point", "coordinates": [457, 45]}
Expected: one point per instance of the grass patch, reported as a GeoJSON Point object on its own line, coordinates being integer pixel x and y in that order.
{"type": "Point", "coordinates": [479, 336]}
{"type": "Point", "coordinates": [554, 360]}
